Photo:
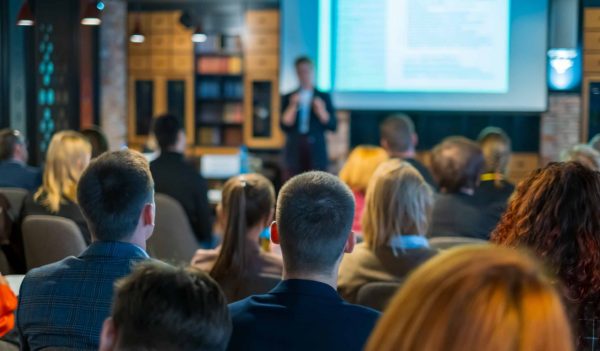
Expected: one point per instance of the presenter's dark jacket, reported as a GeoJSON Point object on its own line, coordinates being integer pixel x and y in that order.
{"type": "Point", "coordinates": [300, 315]}
{"type": "Point", "coordinates": [315, 136]}
{"type": "Point", "coordinates": [175, 177]}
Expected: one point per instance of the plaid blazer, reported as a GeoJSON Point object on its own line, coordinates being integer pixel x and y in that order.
{"type": "Point", "coordinates": [64, 304]}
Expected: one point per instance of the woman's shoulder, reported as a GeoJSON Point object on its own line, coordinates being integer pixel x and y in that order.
{"type": "Point", "coordinates": [205, 259]}
{"type": "Point", "coordinates": [272, 263]}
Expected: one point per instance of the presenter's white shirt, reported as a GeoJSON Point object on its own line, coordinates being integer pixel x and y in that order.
{"type": "Point", "coordinates": [304, 107]}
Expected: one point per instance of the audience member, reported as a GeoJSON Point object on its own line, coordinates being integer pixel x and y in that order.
{"type": "Point", "coordinates": [97, 139]}
{"type": "Point", "coordinates": [475, 298]}
{"type": "Point", "coordinates": [399, 139]}
{"type": "Point", "coordinates": [304, 312]}
{"type": "Point", "coordinates": [493, 187]}
{"type": "Point", "coordinates": [396, 217]}
{"type": "Point", "coordinates": [14, 172]}
{"type": "Point", "coordinates": [64, 304]}
{"type": "Point", "coordinates": [239, 263]}
{"type": "Point", "coordinates": [595, 142]}
{"type": "Point", "coordinates": [554, 213]}
{"type": "Point", "coordinates": [67, 157]}
{"type": "Point", "coordinates": [584, 154]}
{"type": "Point", "coordinates": [175, 177]}
{"type": "Point", "coordinates": [457, 163]}
{"type": "Point", "coordinates": [307, 114]}
{"type": "Point", "coordinates": [188, 311]}
{"type": "Point", "coordinates": [358, 169]}
{"type": "Point", "coordinates": [8, 305]}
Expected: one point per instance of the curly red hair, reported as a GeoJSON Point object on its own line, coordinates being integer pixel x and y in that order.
{"type": "Point", "coordinates": [555, 212]}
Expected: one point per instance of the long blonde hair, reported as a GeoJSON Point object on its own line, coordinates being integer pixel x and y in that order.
{"type": "Point", "coordinates": [472, 298]}
{"type": "Point", "coordinates": [68, 155]}
{"type": "Point", "coordinates": [360, 166]}
{"type": "Point", "coordinates": [398, 202]}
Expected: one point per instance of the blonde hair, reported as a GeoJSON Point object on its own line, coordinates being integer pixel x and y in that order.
{"type": "Point", "coordinates": [477, 297]}
{"type": "Point", "coordinates": [398, 202]}
{"type": "Point", "coordinates": [68, 155]}
{"type": "Point", "coordinates": [360, 166]}
{"type": "Point", "coordinates": [584, 154]}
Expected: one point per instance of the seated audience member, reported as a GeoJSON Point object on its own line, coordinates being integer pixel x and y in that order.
{"type": "Point", "coordinates": [584, 154]}
{"type": "Point", "coordinates": [8, 305]}
{"type": "Point", "coordinates": [399, 139]}
{"type": "Point", "coordinates": [67, 157]}
{"type": "Point", "coordinates": [475, 298]}
{"type": "Point", "coordinates": [173, 176]}
{"type": "Point", "coordinates": [358, 169]}
{"type": "Point", "coordinates": [246, 209]}
{"type": "Point", "coordinates": [65, 303]}
{"type": "Point", "coordinates": [457, 164]}
{"type": "Point", "coordinates": [97, 140]}
{"type": "Point", "coordinates": [149, 313]}
{"type": "Point", "coordinates": [14, 172]}
{"type": "Point", "coordinates": [554, 214]}
{"type": "Point", "coordinates": [397, 212]}
{"type": "Point", "coordinates": [304, 312]}
{"type": "Point", "coordinates": [595, 142]}
{"type": "Point", "coordinates": [493, 186]}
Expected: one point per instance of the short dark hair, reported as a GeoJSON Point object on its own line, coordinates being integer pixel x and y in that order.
{"type": "Point", "coordinates": [302, 59]}
{"type": "Point", "coordinates": [112, 192]}
{"type": "Point", "coordinates": [397, 131]}
{"type": "Point", "coordinates": [97, 139]}
{"type": "Point", "coordinates": [457, 163]}
{"type": "Point", "coordinates": [314, 217]}
{"type": "Point", "coordinates": [9, 139]}
{"type": "Point", "coordinates": [165, 129]}
{"type": "Point", "coordinates": [188, 310]}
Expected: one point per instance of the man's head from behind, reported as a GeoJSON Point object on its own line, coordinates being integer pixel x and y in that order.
{"type": "Point", "coordinates": [457, 163]}
{"type": "Point", "coordinates": [397, 135]}
{"type": "Point", "coordinates": [169, 134]}
{"type": "Point", "coordinates": [313, 223]}
{"type": "Point", "coordinates": [161, 307]}
{"type": "Point", "coordinates": [116, 196]}
{"type": "Point", "coordinates": [13, 146]}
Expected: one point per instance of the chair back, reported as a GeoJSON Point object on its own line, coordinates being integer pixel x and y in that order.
{"type": "Point", "coordinates": [377, 295]}
{"type": "Point", "coordinates": [16, 197]}
{"type": "Point", "coordinates": [49, 239]}
{"type": "Point", "coordinates": [448, 242]}
{"type": "Point", "coordinates": [173, 239]}
{"type": "Point", "coordinates": [7, 346]}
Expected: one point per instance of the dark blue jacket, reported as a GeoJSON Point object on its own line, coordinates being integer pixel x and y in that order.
{"type": "Point", "coordinates": [14, 174]}
{"type": "Point", "coordinates": [300, 315]}
{"type": "Point", "coordinates": [316, 135]}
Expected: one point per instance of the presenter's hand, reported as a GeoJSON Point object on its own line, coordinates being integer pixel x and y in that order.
{"type": "Point", "coordinates": [295, 100]}
{"type": "Point", "coordinates": [289, 115]}
{"type": "Point", "coordinates": [321, 110]}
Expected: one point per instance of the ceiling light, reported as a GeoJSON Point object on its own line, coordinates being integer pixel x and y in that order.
{"type": "Point", "coordinates": [91, 15]}
{"type": "Point", "coordinates": [25, 17]}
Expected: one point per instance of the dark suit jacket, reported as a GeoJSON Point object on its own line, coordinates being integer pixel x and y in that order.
{"type": "Point", "coordinates": [300, 315]}
{"type": "Point", "coordinates": [178, 179]}
{"type": "Point", "coordinates": [17, 175]}
{"type": "Point", "coordinates": [316, 136]}
{"type": "Point", "coordinates": [424, 172]}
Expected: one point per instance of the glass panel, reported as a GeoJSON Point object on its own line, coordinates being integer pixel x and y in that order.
{"type": "Point", "coordinates": [176, 99]}
{"type": "Point", "coordinates": [144, 97]}
{"type": "Point", "coordinates": [594, 109]}
{"type": "Point", "coordinates": [261, 109]}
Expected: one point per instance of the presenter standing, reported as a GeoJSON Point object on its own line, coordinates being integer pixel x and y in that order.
{"type": "Point", "coordinates": [307, 114]}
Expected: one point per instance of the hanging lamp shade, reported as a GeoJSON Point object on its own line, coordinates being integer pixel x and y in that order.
{"type": "Point", "coordinates": [91, 13]}
{"type": "Point", "coordinates": [25, 16]}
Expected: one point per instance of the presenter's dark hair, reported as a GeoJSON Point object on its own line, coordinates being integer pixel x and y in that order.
{"type": "Point", "coordinates": [112, 192]}
{"type": "Point", "coordinates": [187, 312]}
{"type": "Point", "coordinates": [9, 139]}
{"type": "Point", "coordinates": [314, 217]}
{"type": "Point", "coordinates": [397, 131]}
{"type": "Point", "coordinates": [302, 59]}
{"type": "Point", "coordinates": [457, 163]}
{"type": "Point", "coordinates": [165, 129]}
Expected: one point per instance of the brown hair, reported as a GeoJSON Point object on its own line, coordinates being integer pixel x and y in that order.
{"type": "Point", "coordinates": [9, 139]}
{"type": "Point", "coordinates": [398, 202]}
{"type": "Point", "coordinates": [472, 298]}
{"type": "Point", "coordinates": [247, 200]}
{"type": "Point", "coordinates": [555, 212]}
{"type": "Point", "coordinates": [360, 166]}
{"type": "Point", "coordinates": [496, 149]}
{"type": "Point", "coordinates": [457, 163]}
{"type": "Point", "coordinates": [397, 131]}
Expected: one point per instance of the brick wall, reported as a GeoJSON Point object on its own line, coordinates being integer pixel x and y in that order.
{"type": "Point", "coordinates": [560, 126]}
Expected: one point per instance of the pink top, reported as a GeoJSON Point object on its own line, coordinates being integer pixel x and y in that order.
{"type": "Point", "coordinates": [359, 198]}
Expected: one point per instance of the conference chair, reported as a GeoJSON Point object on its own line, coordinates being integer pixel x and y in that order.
{"type": "Point", "coordinates": [48, 239]}
{"type": "Point", "coordinates": [377, 295]}
{"type": "Point", "coordinates": [6, 346]}
{"type": "Point", "coordinates": [15, 197]}
{"type": "Point", "coordinates": [448, 242]}
{"type": "Point", "coordinates": [173, 239]}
